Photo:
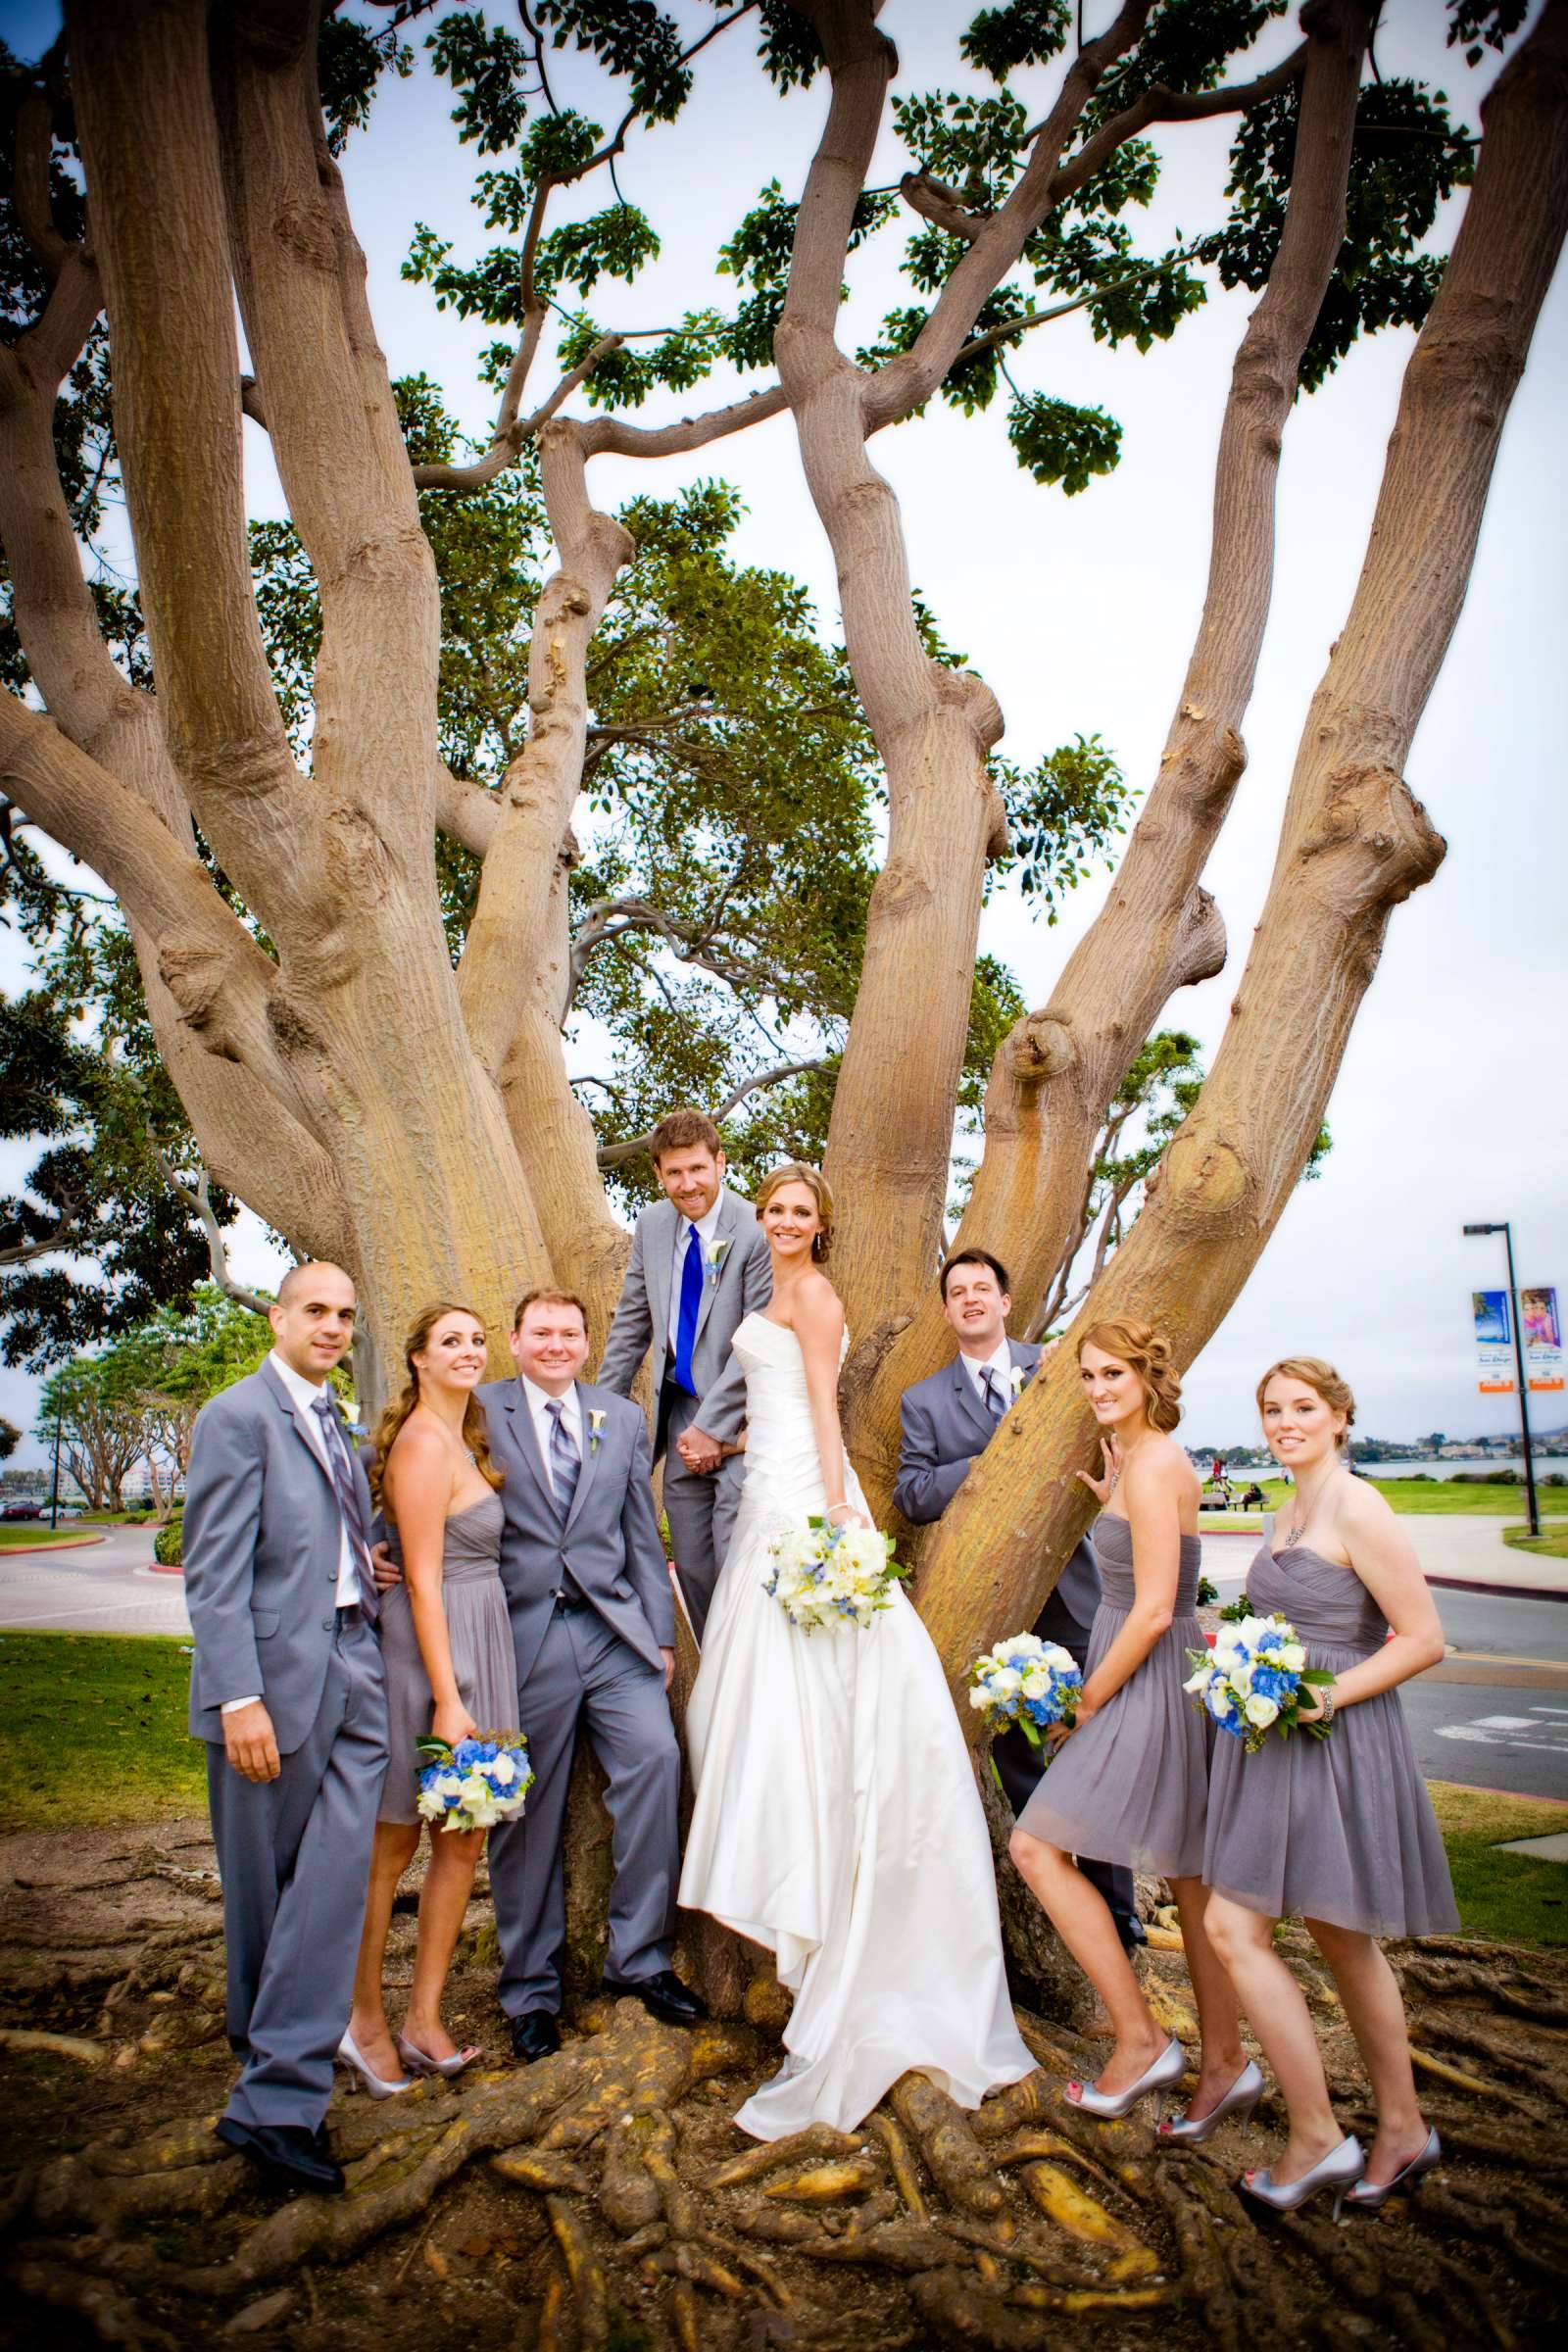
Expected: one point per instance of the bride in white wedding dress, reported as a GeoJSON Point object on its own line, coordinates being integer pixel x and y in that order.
{"type": "Point", "coordinates": [836, 1817]}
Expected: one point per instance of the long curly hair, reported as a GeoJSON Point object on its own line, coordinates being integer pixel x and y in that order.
{"type": "Point", "coordinates": [476, 1434]}
{"type": "Point", "coordinates": [798, 1171]}
{"type": "Point", "coordinates": [1146, 1352]}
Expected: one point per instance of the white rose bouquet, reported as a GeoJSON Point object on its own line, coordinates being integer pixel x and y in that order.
{"type": "Point", "coordinates": [474, 1785]}
{"type": "Point", "coordinates": [1026, 1681]}
{"type": "Point", "coordinates": [1252, 1680]}
{"type": "Point", "coordinates": [828, 1575]}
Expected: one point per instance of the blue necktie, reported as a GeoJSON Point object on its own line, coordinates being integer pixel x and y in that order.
{"type": "Point", "coordinates": [348, 1503]}
{"type": "Point", "coordinates": [691, 1295]}
{"type": "Point", "coordinates": [994, 1396]}
{"type": "Point", "coordinates": [565, 1462]}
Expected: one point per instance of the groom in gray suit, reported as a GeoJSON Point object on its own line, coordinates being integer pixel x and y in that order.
{"type": "Point", "coordinates": [945, 1422]}
{"type": "Point", "coordinates": [593, 1625]}
{"type": "Point", "coordinates": [699, 1264]}
{"type": "Point", "coordinates": [287, 1691]}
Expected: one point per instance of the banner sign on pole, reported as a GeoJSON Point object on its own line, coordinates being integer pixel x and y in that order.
{"type": "Point", "coordinates": [1494, 1344]}
{"type": "Point", "coordinates": [1542, 1337]}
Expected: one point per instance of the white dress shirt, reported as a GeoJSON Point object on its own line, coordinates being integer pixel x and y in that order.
{"type": "Point", "coordinates": [304, 1392]}
{"type": "Point", "coordinates": [704, 1228]}
{"type": "Point", "coordinates": [999, 1366]}
{"type": "Point", "coordinates": [539, 1400]}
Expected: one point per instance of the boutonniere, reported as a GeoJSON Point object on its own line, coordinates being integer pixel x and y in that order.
{"type": "Point", "coordinates": [1018, 1381]}
{"type": "Point", "coordinates": [596, 1422]}
{"type": "Point", "coordinates": [714, 1253]}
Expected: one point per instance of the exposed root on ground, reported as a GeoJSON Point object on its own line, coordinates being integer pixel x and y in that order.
{"type": "Point", "coordinates": [602, 2201]}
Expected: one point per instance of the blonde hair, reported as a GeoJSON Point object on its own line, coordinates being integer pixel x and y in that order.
{"type": "Point", "coordinates": [1146, 1352]}
{"type": "Point", "coordinates": [797, 1171]}
{"type": "Point", "coordinates": [1322, 1379]}
{"type": "Point", "coordinates": [476, 1434]}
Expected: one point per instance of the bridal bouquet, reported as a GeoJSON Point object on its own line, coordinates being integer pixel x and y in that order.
{"type": "Point", "coordinates": [474, 1785]}
{"type": "Point", "coordinates": [1026, 1681]}
{"type": "Point", "coordinates": [1253, 1679]}
{"type": "Point", "coordinates": [828, 1575]}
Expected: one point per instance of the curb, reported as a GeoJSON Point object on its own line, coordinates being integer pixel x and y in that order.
{"type": "Point", "coordinates": [1467, 1584]}
{"type": "Point", "coordinates": [28, 1551]}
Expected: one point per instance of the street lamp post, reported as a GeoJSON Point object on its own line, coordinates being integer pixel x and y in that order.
{"type": "Point", "coordinates": [54, 1489]}
{"type": "Point", "coordinates": [1532, 1507]}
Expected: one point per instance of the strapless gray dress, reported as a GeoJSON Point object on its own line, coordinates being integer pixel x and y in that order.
{"type": "Point", "coordinates": [482, 1656]}
{"type": "Point", "coordinates": [1132, 1785]}
{"type": "Point", "coordinates": [1340, 1828]}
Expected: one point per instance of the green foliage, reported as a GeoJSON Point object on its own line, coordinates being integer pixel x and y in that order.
{"type": "Point", "coordinates": [1060, 812]}
{"type": "Point", "coordinates": [1056, 442]}
{"type": "Point", "coordinates": [1028, 33]}
{"type": "Point", "coordinates": [632, 38]}
{"type": "Point", "coordinates": [351, 59]}
{"type": "Point", "coordinates": [10, 1439]}
{"type": "Point", "coordinates": [1477, 26]}
{"type": "Point", "coordinates": [168, 1544]}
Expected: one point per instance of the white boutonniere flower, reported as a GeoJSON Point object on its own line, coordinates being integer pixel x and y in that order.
{"type": "Point", "coordinates": [714, 1253]}
{"type": "Point", "coordinates": [1017, 1381]}
{"type": "Point", "coordinates": [596, 1422]}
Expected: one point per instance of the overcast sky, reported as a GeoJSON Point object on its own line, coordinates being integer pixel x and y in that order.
{"type": "Point", "coordinates": [1080, 613]}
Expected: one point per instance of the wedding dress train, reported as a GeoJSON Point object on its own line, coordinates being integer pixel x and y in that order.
{"type": "Point", "coordinates": [836, 1817]}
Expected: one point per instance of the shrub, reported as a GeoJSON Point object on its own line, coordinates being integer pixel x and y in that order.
{"type": "Point", "coordinates": [168, 1543]}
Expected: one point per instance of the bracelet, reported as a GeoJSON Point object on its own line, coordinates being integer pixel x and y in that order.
{"type": "Point", "coordinates": [839, 1506]}
{"type": "Point", "coordinates": [1327, 1702]}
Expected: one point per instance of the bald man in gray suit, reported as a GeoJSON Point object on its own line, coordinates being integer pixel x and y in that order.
{"type": "Point", "coordinates": [287, 1692]}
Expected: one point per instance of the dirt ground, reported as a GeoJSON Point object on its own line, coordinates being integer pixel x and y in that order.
{"type": "Point", "coordinates": [604, 2201]}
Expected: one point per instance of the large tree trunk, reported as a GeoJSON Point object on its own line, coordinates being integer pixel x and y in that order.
{"type": "Point", "coordinates": [1354, 842]}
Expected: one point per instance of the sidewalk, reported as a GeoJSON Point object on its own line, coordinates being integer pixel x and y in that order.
{"type": "Point", "coordinates": [1459, 1554]}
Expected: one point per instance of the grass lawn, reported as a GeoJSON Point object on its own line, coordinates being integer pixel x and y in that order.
{"type": "Point", "coordinates": [25, 1535]}
{"type": "Point", "coordinates": [1550, 1545]}
{"type": "Point", "coordinates": [92, 1730]}
{"type": "Point", "coordinates": [1419, 1498]}
{"type": "Point", "coordinates": [1516, 1898]}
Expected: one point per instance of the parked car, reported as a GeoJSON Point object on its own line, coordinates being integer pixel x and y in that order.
{"type": "Point", "coordinates": [23, 1510]}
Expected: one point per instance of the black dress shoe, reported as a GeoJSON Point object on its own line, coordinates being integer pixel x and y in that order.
{"type": "Point", "coordinates": [1130, 1928]}
{"type": "Point", "coordinates": [663, 1997]}
{"type": "Point", "coordinates": [536, 2035]}
{"type": "Point", "coordinates": [289, 2152]}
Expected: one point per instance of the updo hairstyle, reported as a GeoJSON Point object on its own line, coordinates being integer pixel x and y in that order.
{"type": "Point", "coordinates": [797, 1171]}
{"type": "Point", "coordinates": [476, 1434]}
{"type": "Point", "coordinates": [1148, 1353]}
{"type": "Point", "coordinates": [1315, 1374]}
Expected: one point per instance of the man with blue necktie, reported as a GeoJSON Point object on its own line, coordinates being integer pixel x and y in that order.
{"type": "Point", "coordinates": [699, 1265]}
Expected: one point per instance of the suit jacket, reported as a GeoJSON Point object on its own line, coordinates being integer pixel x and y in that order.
{"type": "Point", "coordinates": [262, 1539]}
{"type": "Point", "coordinates": [944, 1426]}
{"type": "Point", "coordinates": [742, 1284]}
{"type": "Point", "coordinates": [609, 1544]}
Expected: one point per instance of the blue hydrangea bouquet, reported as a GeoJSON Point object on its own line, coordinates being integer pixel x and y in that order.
{"type": "Point", "coordinates": [474, 1785]}
{"type": "Point", "coordinates": [1251, 1682]}
{"type": "Point", "coordinates": [828, 1575]}
{"type": "Point", "coordinates": [1026, 1681]}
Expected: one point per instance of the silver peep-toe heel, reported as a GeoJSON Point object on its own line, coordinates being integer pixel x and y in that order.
{"type": "Point", "coordinates": [1165, 2072]}
{"type": "Point", "coordinates": [1188, 2131]}
{"type": "Point", "coordinates": [1369, 2196]}
{"type": "Point", "coordinates": [1338, 2170]}
{"type": "Point", "coordinates": [350, 2054]}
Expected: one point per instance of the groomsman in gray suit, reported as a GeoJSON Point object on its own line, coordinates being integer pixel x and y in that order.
{"type": "Point", "coordinates": [699, 1264]}
{"type": "Point", "coordinates": [593, 1624]}
{"type": "Point", "coordinates": [287, 1691]}
{"type": "Point", "coordinates": [945, 1422]}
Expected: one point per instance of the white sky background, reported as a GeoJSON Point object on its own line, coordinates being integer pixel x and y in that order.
{"type": "Point", "coordinates": [1080, 613]}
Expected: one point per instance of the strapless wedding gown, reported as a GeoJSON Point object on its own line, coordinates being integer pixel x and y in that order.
{"type": "Point", "coordinates": [836, 1817]}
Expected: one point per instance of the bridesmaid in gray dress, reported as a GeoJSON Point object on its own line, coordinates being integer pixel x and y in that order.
{"type": "Point", "coordinates": [446, 1643]}
{"type": "Point", "coordinates": [1339, 1832]}
{"type": "Point", "coordinates": [1130, 1785]}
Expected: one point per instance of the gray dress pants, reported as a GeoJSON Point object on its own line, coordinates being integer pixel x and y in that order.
{"type": "Point", "coordinates": [585, 1670]}
{"type": "Point", "coordinates": [700, 1509]}
{"type": "Point", "coordinates": [294, 1855]}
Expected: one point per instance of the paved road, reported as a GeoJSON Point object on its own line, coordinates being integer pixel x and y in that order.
{"type": "Point", "coordinates": [1495, 1714]}
{"type": "Point", "coordinates": [107, 1587]}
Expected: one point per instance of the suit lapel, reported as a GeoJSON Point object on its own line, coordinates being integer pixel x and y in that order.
{"type": "Point", "coordinates": [969, 1403]}
{"type": "Point", "coordinates": [524, 1443]}
{"type": "Point", "coordinates": [300, 1418]}
{"type": "Point", "coordinates": [590, 1457]}
{"type": "Point", "coordinates": [724, 1230]}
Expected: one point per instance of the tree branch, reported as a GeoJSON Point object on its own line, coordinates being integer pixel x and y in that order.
{"type": "Point", "coordinates": [941, 205]}
{"type": "Point", "coordinates": [1158, 104]}
{"type": "Point", "coordinates": [198, 1198]}
{"type": "Point", "coordinates": [617, 1155]}
{"type": "Point", "coordinates": [609, 437]}
{"type": "Point", "coordinates": [505, 449]}
{"type": "Point", "coordinates": [35, 213]}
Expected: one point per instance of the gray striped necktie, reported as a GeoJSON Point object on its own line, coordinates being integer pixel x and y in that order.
{"type": "Point", "coordinates": [565, 1462]}
{"type": "Point", "coordinates": [348, 1503]}
{"type": "Point", "coordinates": [993, 1396]}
